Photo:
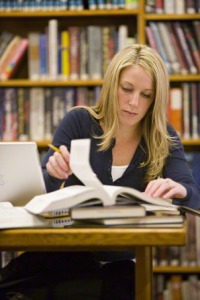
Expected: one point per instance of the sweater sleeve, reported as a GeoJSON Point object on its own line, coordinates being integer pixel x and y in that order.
{"type": "Point", "coordinates": [178, 170]}
{"type": "Point", "coordinates": [75, 125]}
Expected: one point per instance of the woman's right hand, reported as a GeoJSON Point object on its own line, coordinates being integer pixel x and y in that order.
{"type": "Point", "coordinates": [58, 164]}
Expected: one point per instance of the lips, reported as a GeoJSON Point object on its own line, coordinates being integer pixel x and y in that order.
{"type": "Point", "coordinates": [131, 113]}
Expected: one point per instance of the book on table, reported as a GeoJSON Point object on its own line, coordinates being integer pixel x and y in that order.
{"type": "Point", "coordinates": [109, 201]}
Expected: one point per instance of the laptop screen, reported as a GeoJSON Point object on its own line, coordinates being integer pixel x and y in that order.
{"type": "Point", "coordinates": [21, 176]}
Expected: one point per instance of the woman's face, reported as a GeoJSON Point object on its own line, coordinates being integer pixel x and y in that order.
{"type": "Point", "coordinates": [135, 95]}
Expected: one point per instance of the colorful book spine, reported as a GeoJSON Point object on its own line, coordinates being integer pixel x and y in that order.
{"type": "Point", "coordinates": [65, 68]}
{"type": "Point", "coordinates": [14, 62]}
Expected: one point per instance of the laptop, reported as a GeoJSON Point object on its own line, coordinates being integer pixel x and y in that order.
{"type": "Point", "coordinates": [21, 175]}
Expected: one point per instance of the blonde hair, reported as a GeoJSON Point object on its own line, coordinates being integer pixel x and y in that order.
{"type": "Point", "coordinates": [154, 124]}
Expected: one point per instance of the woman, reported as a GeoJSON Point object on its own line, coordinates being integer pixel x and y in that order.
{"type": "Point", "coordinates": [131, 145]}
{"type": "Point", "coordinates": [131, 142]}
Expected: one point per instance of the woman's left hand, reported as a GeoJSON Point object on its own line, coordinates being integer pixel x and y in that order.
{"type": "Point", "coordinates": [165, 188]}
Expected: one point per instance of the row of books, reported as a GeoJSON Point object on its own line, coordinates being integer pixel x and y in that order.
{"type": "Point", "coordinates": [50, 104]}
{"type": "Point", "coordinates": [186, 256]}
{"type": "Point", "coordinates": [178, 44]}
{"type": "Point", "coordinates": [176, 287]}
{"type": "Point", "coordinates": [74, 53]}
{"type": "Point", "coordinates": [172, 6]}
{"type": "Point", "coordinates": [184, 109]}
{"type": "Point", "coordinates": [60, 5]}
{"type": "Point", "coordinates": [34, 113]}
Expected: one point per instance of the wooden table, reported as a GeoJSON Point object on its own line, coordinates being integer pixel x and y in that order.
{"type": "Point", "coordinates": [62, 239]}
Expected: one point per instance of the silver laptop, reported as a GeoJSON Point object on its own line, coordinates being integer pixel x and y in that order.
{"type": "Point", "coordinates": [20, 172]}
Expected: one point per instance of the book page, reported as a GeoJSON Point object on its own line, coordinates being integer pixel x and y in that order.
{"type": "Point", "coordinates": [80, 166]}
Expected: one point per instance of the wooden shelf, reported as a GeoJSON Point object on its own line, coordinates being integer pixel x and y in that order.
{"type": "Point", "coordinates": [49, 83]}
{"type": "Point", "coordinates": [178, 269]}
{"type": "Point", "coordinates": [67, 13]}
{"type": "Point", "coordinates": [89, 82]}
{"type": "Point", "coordinates": [165, 17]}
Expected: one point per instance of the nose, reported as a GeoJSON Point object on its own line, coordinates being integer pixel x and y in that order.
{"type": "Point", "coordinates": [134, 99]}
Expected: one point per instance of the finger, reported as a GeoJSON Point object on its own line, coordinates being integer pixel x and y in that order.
{"type": "Point", "coordinates": [152, 187]}
{"type": "Point", "coordinates": [57, 166]}
{"type": "Point", "coordinates": [162, 189]}
{"type": "Point", "coordinates": [66, 156]}
{"type": "Point", "coordinates": [55, 172]}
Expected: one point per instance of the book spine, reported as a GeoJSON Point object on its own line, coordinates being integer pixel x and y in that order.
{"type": "Point", "coordinates": [175, 112]}
{"type": "Point", "coordinates": [169, 47]}
{"type": "Point", "coordinates": [14, 62]}
{"type": "Point", "coordinates": [74, 41]}
{"type": "Point", "coordinates": [37, 114]}
{"type": "Point", "coordinates": [95, 52]}
{"type": "Point", "coordinates": [169, 6]}
{"type": "Point", "coordinates": [160, 45]}
{"type": "Point", "coordinates": [10, 129]}
{"type": "Point", "coordinates": [180, 34]}
{"type": "Point", "coordinates": [179, 55]}
{"type": "Point", "coordinates": [48, 111]}
{"type": "Point", "coordinates": [43, 56]}
{"type": "Point", "coordinates": [192, 44]}
{"type": "Point", "coordinates": [194, 114]}
{"type": "Point", "coordinates": [186, 113]}
{"type": "Point", "coordinates": [65, 54]}
{"type": "Point", "coordinates": [5, 38]}
{"type": "Point", "coordinates": [8, 53]}
{"type": "Point", "coordinates": [53, 48]}
{"type": "Point", "coordinates": [34, 55]}
{"type": "Point", "coordinates": [151, 38]}
{"type": "Point", "coordinates": [83, 54]}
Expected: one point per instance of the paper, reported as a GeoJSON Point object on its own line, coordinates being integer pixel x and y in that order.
{"type": "Point", "coordinates": [80, 166]}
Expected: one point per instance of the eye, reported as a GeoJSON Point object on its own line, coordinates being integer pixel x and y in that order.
{"type": "Point", "coordinates": [146, 95]}
{"type": "Point", "coordinates": [126, 90]}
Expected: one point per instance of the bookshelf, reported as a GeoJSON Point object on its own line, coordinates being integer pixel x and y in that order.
{"type": "Point", "coordinates": [23, 22]}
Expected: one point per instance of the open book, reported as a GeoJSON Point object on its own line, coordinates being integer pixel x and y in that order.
{"type": "Point", "coordinates": [92, 193]}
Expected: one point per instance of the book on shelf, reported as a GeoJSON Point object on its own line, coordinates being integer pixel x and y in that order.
{"type": "Point", "coordinates": [5, 39]}
{"type": "Point", "coordinates": [53, 49]}
{"type": "Point", "coordinates": [9, 52]}
{"type": "Point", "coordinates": [74, 52]}
{"type": "Point", "coordinates": [15, 60]}
{"type": "Point", "coordinates": [175, 109]}
{"type": "Point", "coordinates": [34, 55]}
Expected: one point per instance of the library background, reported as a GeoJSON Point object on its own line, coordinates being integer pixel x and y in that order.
{"type": "Point", "coordinates": [53, 55]}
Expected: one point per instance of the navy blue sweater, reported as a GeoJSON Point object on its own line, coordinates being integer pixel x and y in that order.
{"type": "Point", "coordinates": [79, 124]}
